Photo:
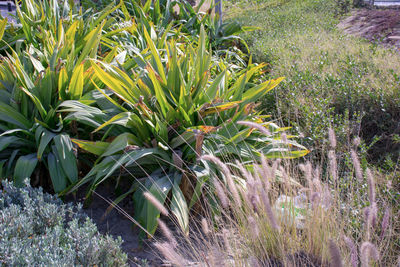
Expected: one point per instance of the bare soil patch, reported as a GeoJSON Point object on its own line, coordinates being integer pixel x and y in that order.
{"type": "Point", "coordinates": [382, 26]}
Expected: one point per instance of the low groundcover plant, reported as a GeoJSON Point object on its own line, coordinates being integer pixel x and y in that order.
{"type": "Point", "coordinates": [37, 229]}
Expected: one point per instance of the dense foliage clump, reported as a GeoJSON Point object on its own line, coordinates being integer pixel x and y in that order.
{"type": "Point", "coordinates": [37, 229]}
{"type": "Point", "coordinates": [133, 91]}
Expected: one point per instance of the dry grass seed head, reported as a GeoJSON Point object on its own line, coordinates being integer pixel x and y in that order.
{"type": "Point", "coordinates": [353, 251]}
{"type": "Point", "coordinates": [367, 251]}
{"type": "Point", "coordinates": [269, 211]}
{"type": "Point", "coordinates": [204, 226]}
{"type": "Point", "coordinates": [221, 193]}
{"type": "Point", "coordinates": [156, 203]}
{"type": "Point", "coordinates": [167, 233]}
{"type": "Point", "coordinates": [356, 165]}
{"type": "Point", "coordinates": [385, 222]}
{"type": "Point", "coordinates": [371, 185]}
{"type": "Point", "coordinates": [332, 164]}
{"type": "Point", "coordinates": [225, 170]}
{"type": "Point", "coordinates": [168, 251]}
{"type": "Point", "coordinates": [255, 231]}
{"type": "Point", "coordinates": [334, 251]}
{"type": "Point", "coordinates": [257, 126]}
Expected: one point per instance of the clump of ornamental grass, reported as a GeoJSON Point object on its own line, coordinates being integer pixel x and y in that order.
{"type": "Point", "coordinates": [276, 213]}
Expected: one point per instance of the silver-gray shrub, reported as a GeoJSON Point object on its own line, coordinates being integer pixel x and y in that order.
{"type": "Point", "coordinates": [38, 229]}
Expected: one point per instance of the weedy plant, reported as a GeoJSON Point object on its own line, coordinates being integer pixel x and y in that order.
{"type": "Point", "coordinates": [283, 215]}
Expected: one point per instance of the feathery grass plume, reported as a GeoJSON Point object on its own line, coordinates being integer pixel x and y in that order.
{"type": "Point", "coordinates": [254, 262]}
{"type": "Point", "coordinates": [255, 231]}
{"type": "Point", "coordinates": [225, 235]}
{"type": "Point", "coordinates": [168, 251]}
{"type": "Point", "coordinates": [228, 175]}
{"type": "Point", "coordinates": [258, 172]}
{"type": "Point", "coordinates": [221, 193]}
{"type": "Point", "coordinates": [284, 137]}
{"type": "Point", "coordinates": [332, 165]}
{"type": "Point", "coordinates": [332, 138]}
{"type": "Point", "coordinates": [267, 173]}
{"type": "Point", "coordinates": [307, 169]}
{"type": "Point", "coordinates": [371, 185]}
{"type": "Point", "coordinates": [167, 233]}
{"type": "Point", "coordinates": [317, 173]}
{"type": "Point", "coordinates": [334, 251]}
{"type": "Point", "coordinates": [275, 166]}
{"type": "Point", "coordinates": [253, 200]}
{"type": "Point", "coordinates": [315, 198]}
{"type": "Point", "coordinates": [285, 176]}
{"type": "Point", "coordinates": [156, 203]}
{"type": "Point", "coordinates": [326, 197]}
{"type": "Point", "coordinates": [257, 126]}
{"type": "Point", "coordinates": [356, 165]}
{"type": "Point", "coordinates": [353, 251]}
{"type": "Point", "coordinates": [367, 251]}
{"type": "Point", "coordinates": [269, 211]}
{"type": "Point", "coordinates": [385, 221]}
{"type": "Point", "coordinates": [204, 226]}
{"type": "Point", "coordinates": [370, 215]}
{"type": "Point", "coordinates": [373, 214]}
{"type": "Point", "coordinates": [245, 173]}
{"type": "Point", "coordinates": [317, 185]}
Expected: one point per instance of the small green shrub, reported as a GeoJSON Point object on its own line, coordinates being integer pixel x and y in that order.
{"type": "Point", "coordinates": [37, 229]}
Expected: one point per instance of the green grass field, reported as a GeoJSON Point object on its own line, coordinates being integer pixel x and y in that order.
{"type": "Point", "coordinates": [332, 79]}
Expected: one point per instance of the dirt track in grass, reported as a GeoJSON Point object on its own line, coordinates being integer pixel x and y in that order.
{"type": "Point", "coordinates": [382, 26]}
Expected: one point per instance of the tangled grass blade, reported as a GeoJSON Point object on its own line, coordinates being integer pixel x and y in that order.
{"type": "Point", "coordinates": [154, 201]}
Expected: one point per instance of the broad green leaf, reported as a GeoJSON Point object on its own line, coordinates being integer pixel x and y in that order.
{"type": "Point", "coordinates": [156, 56]}
{"type": "Point", "coordinates": [76, 83]}
{"type": "Point", "coordinates": [45, 139]}
{"type": "Point", "coordinates": [96, 148]}
{"type": "Point", "coordinates": [5, 141]}
{"type": "Point", "coordinates": [57, 175]}
{"type": "Point", "coordinates": [179, 207]}
{"type": "Point", "coordinates": [11, 115]}
{"type": "Point", "coordinates": [159, 189]}
{"type": "Point", "coordinates": [3, 24]}
{"type": "Point", "coordinates": [66, 156]}
{"type": "Point", "coordinates": [202, 175]}
{"type": "Point", "coordinates": [120, 119]}
{"type": "Point", "coordinates": [62, 84]}
{"type": "Point", "coordinates": [255, 93]}
{"type": "Point", "coordinates": [24, 168]}
{"type": "Point", "coordinates": [211, 92]}
{"type": "Point", "coordinates": [114, 84]}
{"type": "Point", "coordinates": [91, 42]}
{"type": "Point", "coordinates": [119, 144]}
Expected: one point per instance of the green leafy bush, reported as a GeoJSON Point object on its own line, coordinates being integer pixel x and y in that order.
{"type": "Point", "coordinates": [177, 104]}
{"type": "Point", "coordinates": [40, 72]}
{"type": "Point", "coordinates": [37, 229]}
{"type": "Point", "coordinates": [139, 88]}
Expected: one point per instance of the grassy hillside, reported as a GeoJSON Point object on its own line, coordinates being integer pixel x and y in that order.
{"type": "Point", "coordinates": [332, 79]}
